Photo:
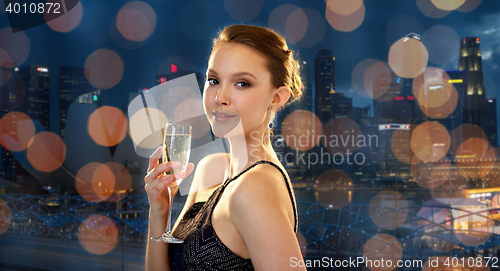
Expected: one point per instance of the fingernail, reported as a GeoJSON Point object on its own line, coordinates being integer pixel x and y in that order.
{"type": "Point", "coordinates": [177, 163]}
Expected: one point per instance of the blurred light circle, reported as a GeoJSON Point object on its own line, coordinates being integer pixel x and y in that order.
{"type": "Point", "coordinates": [98, 234]}
{"type": "Point", "coordinates": [432, 87]}
{"type": "Point", "coordinates": [341, 135]}
{"type": "Point", "coordinates": [377, 80]}
{"type": "Point", "coordinates": [344, 7]}
{"type": "Point", "coordinates": [123, 181]}
{"type": "Point", "coordinates": [388, 210]}
{"type": "Point", "coordinates": [296, 25]}
{"type": "Point", "coordinates": [402, 25]}
{"type": "Point", "coordinates": [302, 243]}
{"type": "Point", "coordinates": [441, 43]}
{"type": "Point", "coordinates": [469, 5]}
{"type": "Point", "coordinates": [430, 10]}
{"type": "Point", "coordinates": [400, 146]}
{"type": "Point", "coordinates": [314, 23]}
{"type": "Point", "coordinates": [142, 133]}
{"type": "Point", "coordinates": [473, 158]}
{"type": "Point", "coordinates": [66, 22]}
{"type": "Point", "coordinates": [345, 23]}
{"type": "Point", "coordinates": [278, 17]}
{"type": "Point", "coordinates": [358, 76]}
{"type": "Point", "coordinates": [301, 130]}
{"type": "Point", "coordinates": [243, 10]}
{"type": "Point", "coordinates": [471, 235]}
{"type": "Point", "coordinates": [463, 133]}
{"type": "Point", "coordinates": [16, 131]}
{"type": "Point", "coordinates": [103, 182]}
{"type": "Point", "coordinates": [17, 45]}
{"type": "Point", "coordinates": [190, 112]}
{"type": "Point", "coordinates": [136, 21]}
{"type": "Point", "coordinates": [447, 4]}
{"type": "Point", "coordinates": [431, 175]}
{"type": "Point", "coordinates": [104, 68]}
{"type": "Point", "coordinates": [333, 189]}
{"type": "Point", "coordinates": [84, 181]}
{"type": "Point", "coordinates": [430, 141]}
{"type": "Point", "coordinates": [107, 126]}
{"type": "Point", "coordinates": [443, 110]}
{"type": "Point", "coordinates": [5, 61]}
{"type": "Point", "coordinates": [5, 216]}
{"type": "Point", "coordinates": [408, 57]}
{"type": "Point", "coordinates": [46, 151]}
{"type": "Point", "coordinates": [383, 246]}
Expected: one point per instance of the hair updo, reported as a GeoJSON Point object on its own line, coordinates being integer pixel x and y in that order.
{"type": "Point", "coordinates": [281, 63]}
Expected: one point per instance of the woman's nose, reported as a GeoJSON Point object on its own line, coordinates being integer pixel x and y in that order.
{"type": "Point", "coordinates": [223, 93]}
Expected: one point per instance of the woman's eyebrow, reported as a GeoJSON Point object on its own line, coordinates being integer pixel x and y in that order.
{"type": "Point", "coordinates": [211, 71]}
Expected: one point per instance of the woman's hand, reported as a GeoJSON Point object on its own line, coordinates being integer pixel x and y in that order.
{"type": "Point", "coordinates": [156, 182]}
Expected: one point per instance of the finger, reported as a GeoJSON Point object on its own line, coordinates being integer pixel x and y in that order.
{"type": "Point", "coordinates": [153, 159]}
{"type": "Point", "coordinates": [161, 168]}
{"type": "Point", "coordinates": [157, 185]}
{"type": "Point", "coordinates": [189, 169]}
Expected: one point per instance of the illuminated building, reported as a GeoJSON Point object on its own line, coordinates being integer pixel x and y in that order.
{"type": "Point", "coordinates": [491, 121]}
{"type": "Point", "coordinates": [324, 78]}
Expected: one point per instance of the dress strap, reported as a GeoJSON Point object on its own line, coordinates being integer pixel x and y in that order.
{"type": "Point", "coordinates": [286, 182]}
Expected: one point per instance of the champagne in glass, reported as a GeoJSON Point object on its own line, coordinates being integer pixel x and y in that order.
{"type": "Point", "coordinates": [176, 147]}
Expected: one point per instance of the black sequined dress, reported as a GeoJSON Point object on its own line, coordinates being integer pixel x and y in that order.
{"type": "Point", "coordinates": [202, 249]}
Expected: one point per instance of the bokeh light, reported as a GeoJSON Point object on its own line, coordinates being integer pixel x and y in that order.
{"type": "Point", "coordinates": [308, 19]}
{"type": "Point", "coordinates": [408, 57]}
{"type": "Point", "coordinates": [103, 182]}
{"type": "Point", "coordinates": [441, 43]}
{"type": "Point", "coordinates": [341, 135]}
{"type": "Point", "coordinates": [46, 151]}
{"type": "Point", "coordinates": [83, 182]}
{"type": "Point", "coordinates": [333, 189]}
{"type": "Point", "coordinates": [383, 246]}
{"type": "Point", "coordinates": [301, 130]}
{"type": "Point", "coordinates": [469, 5]}
{"type": "Point", "coordinates": [5, 216]}
{"type": "Point", "coordinates": [16, 131]}
{"type": "Point", "coordinates": [190, 112]}
{"type": "Point", "coordinates": [242, 10]}
{"type": "Point", "coordinates": [345, 23]}
{"type": "Point", "coordinates": [475, 158]}
{"type": "Point", "coordinates": [104, 68]}
{"type": "Point", "coordinates": [401, 146]}
{"type": "Point", "coordinates": [142, 133]}
{"type": "Point", "coordinates": [430, 141]}
{"type": "Point", "coordinates": [136, 21]}
{"type": "Point", "coordinates": [67, 21]}
{"type": "Point", "coordinates": [279, 16]}
{"type": "Point", "coordinates": [17, 45]}
{"type": "Point", "coordinates": [344, 7]}
{"type": "Point", "coordinates": [447, 4]}
{"type": "Point", "coordinates": [377, 80]}
{"type": "Point", "coordinates": [358, 76]}
{"type": "Point", "coordinates": [388, 210]}
{"type": "Point", "coordinates": [431, 175]}
{"type": "Point", "coordinates": [107, 126]}
{"type": "Point", "coordinates": [123, 181]}
{"type": "Point", "coordinates": [430, 10]}
{"type": "Point", "coordinates": [463, 133]}
{"type": "Point", "coordinates": [302, 243]}
{"type": "Point", "coordinates": [98, 234]}
{"type": "Point", "coordinates": [400, 26]}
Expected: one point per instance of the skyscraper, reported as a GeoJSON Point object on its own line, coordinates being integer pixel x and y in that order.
{"type": "Point", "coordinates": [37, 101]}
{"type": "Point", "coordinates": [491, 122]}
{"type": "Point", "coordinates": [324, 77]}
{"type": "Point", "coordinates": [72, 83]}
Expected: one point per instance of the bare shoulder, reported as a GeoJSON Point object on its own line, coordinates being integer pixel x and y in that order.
{"type": "Point", "coordinates": [261, 187]}
{"type": "Point", "coordinates": [209, 173]}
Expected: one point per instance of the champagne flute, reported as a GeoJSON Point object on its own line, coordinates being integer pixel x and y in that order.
{"type": "Point", "coordinates": [176, 147]}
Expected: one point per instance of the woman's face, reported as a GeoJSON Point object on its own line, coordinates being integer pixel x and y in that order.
{"type": "Point", "coordinates": [238, 87]}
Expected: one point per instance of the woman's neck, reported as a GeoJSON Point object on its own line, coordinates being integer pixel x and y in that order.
{"type": "Point", "coordinates": [245, 150]}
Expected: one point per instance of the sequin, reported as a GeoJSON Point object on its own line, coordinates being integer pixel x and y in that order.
{"type": "Point", "coordinates": [202, 249]}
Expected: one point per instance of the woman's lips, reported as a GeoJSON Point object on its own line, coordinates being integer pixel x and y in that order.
{"type": "Point", "coordinates": [221, 116]}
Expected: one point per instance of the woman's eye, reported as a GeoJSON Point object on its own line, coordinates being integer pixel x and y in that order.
{"type": "Point", "coordinates": [242, 84]}
{"type": "Point", "coordinates": [212, 81]}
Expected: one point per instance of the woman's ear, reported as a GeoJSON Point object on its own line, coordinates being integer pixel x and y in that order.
{"type": "Point", "coordinates": [280, 97]}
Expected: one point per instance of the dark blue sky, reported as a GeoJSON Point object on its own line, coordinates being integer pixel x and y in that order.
{"type": "Point", "coordinates": [185, 28]}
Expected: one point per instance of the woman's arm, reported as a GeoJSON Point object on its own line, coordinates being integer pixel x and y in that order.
{"type": "Point", "coordinates": [259, 207]}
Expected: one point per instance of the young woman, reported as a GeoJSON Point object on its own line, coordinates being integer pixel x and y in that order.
{"type": "Point", "coordinates": [249, 221]}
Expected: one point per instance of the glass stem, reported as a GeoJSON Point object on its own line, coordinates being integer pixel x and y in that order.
{"type": "Point", "coordinates": [169, 220]}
